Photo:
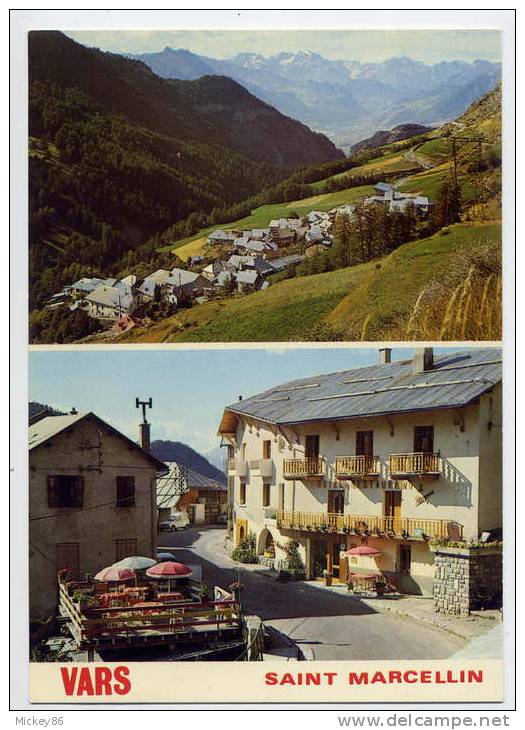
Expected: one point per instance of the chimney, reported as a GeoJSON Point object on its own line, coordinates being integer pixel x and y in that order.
{"type": "Point", "coordinates": [423, 359]}
{"type": "Point", "coordinates": [145, 440]}
{"type": "Point", "coordinates": [144, 427]}
{"type": "Point", "coordinates": [240, 397]}
{"type": "Point", "coordinates": [385, 355]}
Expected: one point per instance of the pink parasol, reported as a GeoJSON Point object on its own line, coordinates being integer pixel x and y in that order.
{"type": "Point", "coordinates": [169, 569]}
{"type": "Point", "coordinates": [363, 550]}
{"type": "Point", "coordinates": [114, 573]}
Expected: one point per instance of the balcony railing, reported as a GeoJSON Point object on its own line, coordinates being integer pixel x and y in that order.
{"type": "Point", "coordinates": [347, 467]}
{"type": "Point", "coordinates": [415, 464]}
{"type": "Point", "coordinates": [333, 522]}
{"type": "Point", "coordinates": [309, 468]}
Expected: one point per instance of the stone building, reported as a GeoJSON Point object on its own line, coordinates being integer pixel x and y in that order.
{"type": "Point", "coordinates": [92, 501]}
{"type": "Point", "coordinates": [394, 456]}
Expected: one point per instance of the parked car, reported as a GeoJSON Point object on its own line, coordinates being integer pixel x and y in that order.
{"type": "Point", "coordinates": [176, 521]}
{"type": "Point", "coordinates": [222, 519]}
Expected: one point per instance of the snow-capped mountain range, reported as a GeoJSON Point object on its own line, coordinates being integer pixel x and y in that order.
{"type": "Point", "coordinates": [346, 100]}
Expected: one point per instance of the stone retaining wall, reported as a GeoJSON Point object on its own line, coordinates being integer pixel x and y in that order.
{"type": "Point", "coordinates": [467, 579]}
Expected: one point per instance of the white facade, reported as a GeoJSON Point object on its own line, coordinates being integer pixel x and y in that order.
{"type": "Point", "coordinates": [466, 490]}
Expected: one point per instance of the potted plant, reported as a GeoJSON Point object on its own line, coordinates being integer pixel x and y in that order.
{"type": "Point", "coordinates": [327, 577]}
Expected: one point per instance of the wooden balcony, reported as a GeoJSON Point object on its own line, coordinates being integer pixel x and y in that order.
{"type": "Point", "coordinates": [362, 467]}
{"type": "Point", "coordinates": [309, 468]}
{"type": "Point", "coordinates": [363, 524]}
{"type": "Point", "coordinates": [415, 464]}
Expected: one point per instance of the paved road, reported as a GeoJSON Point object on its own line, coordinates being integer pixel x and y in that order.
{"type": "Point", "coordinates": [324, 624]}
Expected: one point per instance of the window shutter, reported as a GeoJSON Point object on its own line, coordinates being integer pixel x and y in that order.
{"type": "Point", "coordinates": [52, 494]}
{"type": "Point", "coordinates": [77, 492]}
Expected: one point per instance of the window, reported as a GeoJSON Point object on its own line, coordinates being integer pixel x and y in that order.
{"type": "Point", "coordinates": [68, 558]}
{"type": "Point", "coordinates": [267, 449]}
{"type": "Point", "coordinates": [404, 558]}
{"type": "Point", "coordinates": [231, 452]}
{"type": "Point", "coordinates": [125, 491]}
{"type": "Point", "coordinates": [281, 496]}
{"type": "Point", "coordinates": [65, 491]}
{"type": "Point", "coordinates": [125, 548]}
{"type": "Point", "coordinates": [243, 452]}
{"type": "Point", "coordinates": [266, 495]}
{"type": "Point", "coordinates": [364, 443]}
{"type": "Point", "coordinates": [424, 439]}
{"type": "Point", "coordinates": [311, 448]}
{"type": "Point", "coordinates": [242, 494]}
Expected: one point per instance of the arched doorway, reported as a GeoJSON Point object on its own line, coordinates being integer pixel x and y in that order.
{"type": "Point", "coordinates": [266, 548]}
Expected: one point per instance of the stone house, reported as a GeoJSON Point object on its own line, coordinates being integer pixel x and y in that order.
{"type": "Point", "coordinates": [393, 456]}
{"type": "Point", "coordinates": [92, 501]}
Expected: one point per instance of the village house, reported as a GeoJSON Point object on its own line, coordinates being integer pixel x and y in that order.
{"type": "Point", "coordinates": [220, 237]}
{"type": "Point", "coordinates": [391, 456]}
{"type": "Point", "coordinates": [149, 286]}
{"type": "Point", "coordinates": [183, 284]}
{"type": "Point", "coordinates": [284, 237]}
{"type": "Point", "coordinates": [92, 501]}
{"type": "Point", "coordinates": [110, 302]}
{"type": "Point", "coordinates": [86, 285]}
{"type": "Point", "coordinates": [183, 489]}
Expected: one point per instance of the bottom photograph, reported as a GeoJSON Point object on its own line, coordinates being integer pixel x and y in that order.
{"type": "Point", "coordinates": [266, 505]}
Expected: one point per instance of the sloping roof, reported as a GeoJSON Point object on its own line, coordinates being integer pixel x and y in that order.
{"type": "Point", "coordinates": [87, 284]}
{"type": "Point", "coordinates": [180, 479]}
{"type": "Point", "coordinates": [156, 278]}
{"type": "Point", "coordinates": [111, 296]}
{"type": "Point", "coordinates": [47, 428]}
{"type": "Point", "coordinates": [181, 277]}
{"type": "Point", "coordinates": [248, 276]}
{"type": "Point", "coordinates": [284, 261]}
{"type": "Point", "coordinates": [455, 380]}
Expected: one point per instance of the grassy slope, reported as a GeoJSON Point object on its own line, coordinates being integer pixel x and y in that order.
{"type": "Point", "coordinates": [290, 309]}
{"type": "Point", "coordinates": [387, 295]}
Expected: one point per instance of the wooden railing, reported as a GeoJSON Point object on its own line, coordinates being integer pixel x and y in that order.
{"type": "Point", "coordinates": [301, 468]}
{"type": "Point", "coordinates": [357, 466]}
{"type": "Point", "coordinates": [333, 522]}
{"type": "Point", "coordinates": [415, 463]}
{"type": "Point", "coordinates": [140, 622]}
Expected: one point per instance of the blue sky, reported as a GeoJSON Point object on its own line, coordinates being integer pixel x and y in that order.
{"type": "Point", "coordinates": [189, 387]}
{"type": "Point", "coordinates": [429, 46]}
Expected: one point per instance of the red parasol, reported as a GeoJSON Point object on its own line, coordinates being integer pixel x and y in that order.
{"type": "Point", "coordinates": [169, 569]}
{"type": "Point", "coordinates": [363, 550]}
{"type": "Point", "coordinates": [114, 573]}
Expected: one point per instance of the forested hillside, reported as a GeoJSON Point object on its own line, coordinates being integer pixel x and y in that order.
{"type": "Point", "coordinates": [118, 154]}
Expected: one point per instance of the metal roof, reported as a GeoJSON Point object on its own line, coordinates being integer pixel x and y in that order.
{"type": "Point", "coordinates": [455, 380]}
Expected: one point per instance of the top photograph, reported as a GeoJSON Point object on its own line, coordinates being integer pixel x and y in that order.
{"type": "Point", "coordinates": [264, 186]}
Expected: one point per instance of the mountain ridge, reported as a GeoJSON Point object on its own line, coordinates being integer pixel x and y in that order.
{"type": "Point", "coordinates": [361, 97]}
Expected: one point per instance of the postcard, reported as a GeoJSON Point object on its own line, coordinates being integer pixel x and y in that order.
{"type": "Point", "coordinates": [263, 443]}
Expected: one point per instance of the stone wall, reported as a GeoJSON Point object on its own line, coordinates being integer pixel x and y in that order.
{"type": "Point", "coordinates": [467, 579]}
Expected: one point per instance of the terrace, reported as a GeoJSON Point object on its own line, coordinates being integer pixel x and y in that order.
{"type": "Point", "coordinates": [101, 615]}
{"type": "Point", "coordinates": [407, 528]}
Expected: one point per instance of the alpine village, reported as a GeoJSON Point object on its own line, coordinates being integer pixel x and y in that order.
{"type": "Point", "coordinates": [168, 210]}
{"type": "Point", "coordinates": [355, 514]}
